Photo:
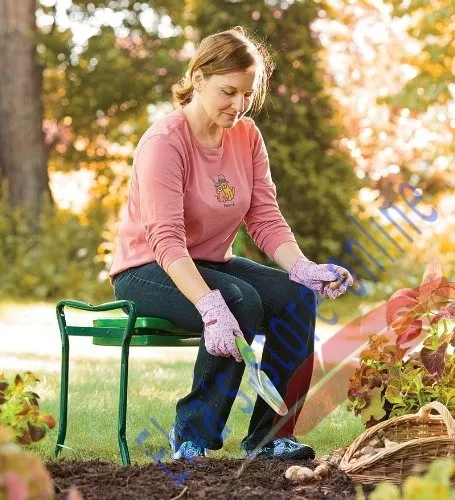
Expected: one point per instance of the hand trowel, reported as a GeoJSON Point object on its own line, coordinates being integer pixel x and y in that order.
{"type": "Point", "coordinates": [258, 380]}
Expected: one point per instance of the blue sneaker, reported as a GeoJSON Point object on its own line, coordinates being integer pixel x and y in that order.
{"type": "Point", "coordinates": [187, 450]}
{"type": "Point", "coordinates": [283, 448]}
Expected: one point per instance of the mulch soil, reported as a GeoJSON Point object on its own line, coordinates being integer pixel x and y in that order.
{"type": "Point", "coordinates": [201, 478]}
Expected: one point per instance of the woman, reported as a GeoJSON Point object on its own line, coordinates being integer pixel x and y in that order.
{"type": "Point", "coordinates": [198, 173]}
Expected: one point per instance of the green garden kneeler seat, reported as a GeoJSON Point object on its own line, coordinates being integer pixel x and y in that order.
{"type": "Point", "coordinates": [119, 331]}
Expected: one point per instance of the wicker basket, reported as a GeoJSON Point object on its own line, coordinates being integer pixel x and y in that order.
{"type": "Point", "coordinates": [420, 439]}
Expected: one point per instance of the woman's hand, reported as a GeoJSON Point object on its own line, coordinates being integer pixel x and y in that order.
{"type": "Point", "coordinates": [220, 326]}
{"type": "Point", "coordinates": [327, 279]}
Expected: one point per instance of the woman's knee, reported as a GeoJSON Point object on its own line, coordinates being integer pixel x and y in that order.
{"type": "Point", "coordinates": [308, 298]}
{"type": "Point", "coordinates": [287, 293]}
{"type": "Point", "coordinates": [245, 304]}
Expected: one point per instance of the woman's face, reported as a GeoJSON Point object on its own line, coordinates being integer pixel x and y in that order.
{"type": "Point", "coordinates": [226, 98]}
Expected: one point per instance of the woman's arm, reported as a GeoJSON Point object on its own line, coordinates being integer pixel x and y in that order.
{"type": "Point", "coordinates": [287, 254]}
{"type": "Point", "coordinates": [264, 221]}
{"type": "Point", "coordinates": [187, 278]}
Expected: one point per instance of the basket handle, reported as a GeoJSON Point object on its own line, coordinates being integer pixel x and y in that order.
{"type": "Point", "coordinates": [443, 411]}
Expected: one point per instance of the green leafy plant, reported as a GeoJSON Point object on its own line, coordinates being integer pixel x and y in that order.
{"type": "Point", "coordinates": [435, 483]}
{"type": "Point", "coordinates": [394, 379]}
{"type": "Point", "coordinates": [19, 408]}
{"type": "Point", "coordinates": [64, 255]}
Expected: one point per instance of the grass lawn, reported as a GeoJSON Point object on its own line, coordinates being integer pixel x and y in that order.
{"type": "Point", "coordinates": [154, 387]}
{"type": "Point", "coordinates": [157, 380]}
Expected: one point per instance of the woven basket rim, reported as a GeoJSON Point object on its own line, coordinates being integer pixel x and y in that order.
{"type": "Point", "coordinates": [368, 434]}
{"type": "Point", "coordinates": [347, 466]}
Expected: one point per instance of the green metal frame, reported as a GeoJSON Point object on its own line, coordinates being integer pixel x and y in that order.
{"type": "Point", "coordinates": [131, 330]}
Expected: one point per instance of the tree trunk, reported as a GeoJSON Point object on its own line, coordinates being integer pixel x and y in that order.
{"type": "Point", "coordinates": [23, 153]}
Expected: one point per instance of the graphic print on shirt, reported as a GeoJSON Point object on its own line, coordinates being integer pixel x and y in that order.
{"type": "Point", "coordinates": [224, 192]}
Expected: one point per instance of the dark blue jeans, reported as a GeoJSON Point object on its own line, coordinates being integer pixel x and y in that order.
{"type": "Point", "coordinates": [264, 301]}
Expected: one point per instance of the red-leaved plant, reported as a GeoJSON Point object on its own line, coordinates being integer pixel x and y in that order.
{"type": "Point", "coordinates": [394, 380]}
{"type": "Point", "coordinates": [19, 408]}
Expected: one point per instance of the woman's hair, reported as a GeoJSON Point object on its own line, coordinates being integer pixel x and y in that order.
{"type": "Point", "coordinates": [228, 51]}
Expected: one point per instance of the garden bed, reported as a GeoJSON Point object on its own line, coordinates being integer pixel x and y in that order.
{"type": "Point", "coordinates": [206, 478]}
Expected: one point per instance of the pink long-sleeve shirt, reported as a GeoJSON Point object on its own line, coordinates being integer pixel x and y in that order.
{"type": "Point", "coordinates": [189, 200]}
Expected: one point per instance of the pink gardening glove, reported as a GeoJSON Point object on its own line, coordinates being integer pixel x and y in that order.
{"type": "Point", "coordinates": [220, 326]}
{"type": "Point", "coordinates": [327, 279]}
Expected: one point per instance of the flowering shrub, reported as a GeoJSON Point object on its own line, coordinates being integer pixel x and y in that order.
{"type": "Point", "coordinates": [393, 380]}
{"type": "Point", "coordinates": [19, 408]}
{"type": "Point", "coordinates": [22, 475]}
